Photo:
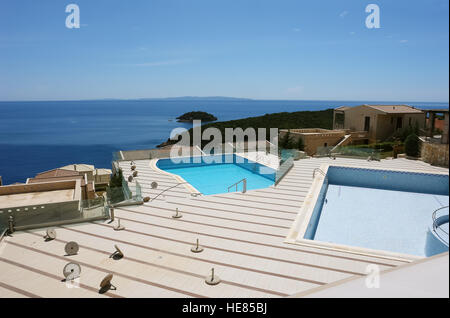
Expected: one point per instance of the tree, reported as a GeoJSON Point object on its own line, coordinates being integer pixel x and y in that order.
{"type": "Point", "coordinates": [116, 179]}
{"type": "Point", "coordinates": [285, 142]}
{"type": "Point", "coordinates": [412, 145]}
{"type": "Point", "coordinates": [115, 191]}
{"type": "Point", "coordinates": [300, 145]}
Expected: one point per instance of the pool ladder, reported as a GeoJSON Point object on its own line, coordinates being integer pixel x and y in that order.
{"type": "Point", "coordinates": [318, 170]}
{"type": "Point", "coordinates": [321, 171]}
{"type": "Point", "coordinates": [244, 185]}
{"type": "Point", "coordinates": [436, 225]}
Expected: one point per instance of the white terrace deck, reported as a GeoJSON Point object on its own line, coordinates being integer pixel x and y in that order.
{"type": "Point", "coordinates": [242, 235]}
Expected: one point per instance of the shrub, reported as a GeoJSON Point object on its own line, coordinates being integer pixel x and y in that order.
{"type": "Point", "coordinates": [412, 145]}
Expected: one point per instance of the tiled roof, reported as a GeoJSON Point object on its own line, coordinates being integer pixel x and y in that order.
{"type": "Point", "coordinates": [55, 173]}
{"type": "Point", "coordinates": [101, 172]}
{"type": "Point", "coordinates": [79, 167]}
{"type": "Point", "coordinates": [56, 179]}
{"type": "Point", "coordinates": [396, 109]}
{"type": "Point", "coordinates": [342, 108]}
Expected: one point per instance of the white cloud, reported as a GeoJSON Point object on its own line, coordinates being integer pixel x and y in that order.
{"type": "Point", "coordinates": [295, 91]}
{"type": "Point", "coordinates": [403, 41]}
{"type": "Point", "coordinates": [352, 33]}
{"type": "Point", "coordinates": [161, 63]}
{"type": "Point", "coordinates": [343, 14]}
{"type": "Point", "coordinates": [296, 29]}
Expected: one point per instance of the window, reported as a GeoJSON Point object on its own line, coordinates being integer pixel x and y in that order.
{"type": "Point", "coordinates": [366, 123]}
{"type": "Point", "coordinates": [399, 122]}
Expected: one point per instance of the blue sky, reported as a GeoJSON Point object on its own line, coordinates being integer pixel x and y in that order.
{"type": "Point", "coordinates": [263, 49]}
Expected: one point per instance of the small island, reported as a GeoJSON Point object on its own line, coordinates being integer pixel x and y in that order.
{"type": "Point", "coordinates": [197, 115]}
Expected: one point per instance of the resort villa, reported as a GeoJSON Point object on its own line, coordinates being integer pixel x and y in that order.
{"type": "Point", "coordinates": [99, 177]}
{"type": "Point", "coordinates": [57, 196]}
{"type": "Point", "coordinates": [379, 121]}
{"type": "Point", "coordinates": [369, 124]}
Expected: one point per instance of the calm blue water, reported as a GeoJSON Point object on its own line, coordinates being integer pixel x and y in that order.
{"type": "Point", "coordinates": [382, 219]}
{"type": "Point", "coordinates": [214, 178]}
{"type": "Point", "coordinates": [38, 136]}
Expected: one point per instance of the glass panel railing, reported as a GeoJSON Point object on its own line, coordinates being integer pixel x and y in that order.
{"type": "Point", "coordinates": [129, 191]}
{"type": "Point", "coordinates": [157, 153]}
{"type": "Point", "coordinates": [57, 213]}
{"type": "Point", "coordinates": [137, 192]}
{"type": "Point", "coordinates": [286, 154]}
{"type": "Point", "coordinates": [115, 195]}
{"type": "Point", "coordinates": [283, 169]}
{"type": "Point", "coordinates": [350, 152]}
{"type": "Point", "coordinates": [286, 158]}
{"type": "Point", "coordinates": [3, 227]}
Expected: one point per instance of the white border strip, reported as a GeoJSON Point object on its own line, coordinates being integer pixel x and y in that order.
{"type": "Point", "coordinates": [179, 179]}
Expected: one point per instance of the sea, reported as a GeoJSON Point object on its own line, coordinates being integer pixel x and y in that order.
{"type": "Point", "coordinates": [43, 135]}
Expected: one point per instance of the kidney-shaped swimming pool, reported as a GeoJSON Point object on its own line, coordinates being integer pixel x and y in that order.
{"type": "Point", "coordinates": [213, 174]}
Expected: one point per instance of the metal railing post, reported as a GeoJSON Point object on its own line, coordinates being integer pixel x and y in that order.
{"type": "Point", "coordinates": [11, 224]}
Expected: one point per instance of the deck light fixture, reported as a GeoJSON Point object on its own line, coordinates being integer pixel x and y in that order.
{"type": "Point", "coordinates": [50, 234]}
{"type": "Point", "coordinates": [71, 248]}
{"type": "Point", "coordinates": [119, 227]}
{"type": "Point", "coordinates": [118, 254]}
{"type": "Point", "coordinates": [196, 248]}
{"type": "Point", "coordinates": [71, 271]}
{"type": "Point", "coordinates": [106, 285]}
{"type": "Point", "coordinates": [177, 214]}
{"type": "Point", "coordinates": [212, 279]}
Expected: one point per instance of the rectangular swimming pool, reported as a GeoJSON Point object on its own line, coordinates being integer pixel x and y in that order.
{"type": "Point", "coordinates": [213, 174]}
{"type": "Point", "coordinates": [378, 209]}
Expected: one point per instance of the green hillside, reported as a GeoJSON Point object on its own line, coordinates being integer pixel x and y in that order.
{"type": "Point", "coordinates": [301, 119]}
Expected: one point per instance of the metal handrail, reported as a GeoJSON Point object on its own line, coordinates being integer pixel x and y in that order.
{"type": "Point", "coordinates": [244, 188]}
{"type": "Point", "coordinates": [167, 190]}
{"type": "Point", "coordinates": [323, 173]}
{"type": "Point", "coordinates": [320, 170]}
{"type": "Point", "coordinates": [435, 225]}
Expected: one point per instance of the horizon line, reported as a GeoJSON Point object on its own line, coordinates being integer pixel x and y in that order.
{"type": "Point", "coordinates": [216, 97]}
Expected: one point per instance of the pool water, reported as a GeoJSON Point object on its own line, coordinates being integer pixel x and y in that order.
{"type": "Point", "coordinates": [213, 178]}
{"type": "Point", "coordinates": [377, 209]}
